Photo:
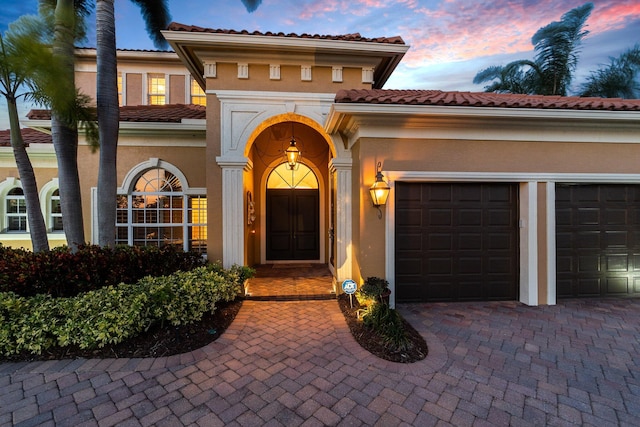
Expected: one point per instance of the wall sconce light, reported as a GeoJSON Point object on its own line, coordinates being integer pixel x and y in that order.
{"type": "Point", "coordinates": [292, 154]}
{"type": "Point", "coordinates": [379, 190]}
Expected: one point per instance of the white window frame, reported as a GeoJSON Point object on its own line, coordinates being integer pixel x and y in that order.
{"type": "Point", "coordinates": [127, 190]}
{"type": "Point", "coordinates": [164, 94]}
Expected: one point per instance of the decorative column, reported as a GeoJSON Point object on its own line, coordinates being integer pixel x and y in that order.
{"type": "Point", "coordinates": [343, 226]}
{"type": "Point", "coordinates": [233, 209]}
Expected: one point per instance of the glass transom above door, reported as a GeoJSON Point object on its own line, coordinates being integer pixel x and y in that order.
{"type": "Point", "coordinates": [302, 177]}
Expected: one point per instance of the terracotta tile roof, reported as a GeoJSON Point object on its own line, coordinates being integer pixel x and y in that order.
{"type": "Point", "coordinates": [355, 37]}
{"type": "Point", "coordinates": [162, 113]}
{"type": "Point", "coordinates": [171, 113]}
{"type": "Point", "coordinates": [483, 99]}
{"type": "Point", "coordinates": [30, 136]}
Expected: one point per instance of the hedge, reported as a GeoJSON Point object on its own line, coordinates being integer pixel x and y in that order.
{"type": "Point", "coordinates": [111, 314]}
{"type": "Point", "coordinates": [62, 273]}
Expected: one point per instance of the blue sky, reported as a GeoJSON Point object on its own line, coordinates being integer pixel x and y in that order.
{"type": "Point", "coordinates": [451, 40]}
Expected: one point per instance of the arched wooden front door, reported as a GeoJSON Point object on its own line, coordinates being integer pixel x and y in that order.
{"type": "Point", "coordinates": [292, 221]}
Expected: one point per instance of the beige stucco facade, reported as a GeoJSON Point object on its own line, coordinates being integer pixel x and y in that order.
{"type": "Point", "coordinates": [263, 90]}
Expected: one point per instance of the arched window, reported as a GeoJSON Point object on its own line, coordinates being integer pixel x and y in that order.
{"type": "Point", "coordinates": [301, 177]}
{"type": "Point", "coordinates": [16, 210]}
{"type": "Point", "coordinates": [158, 212]}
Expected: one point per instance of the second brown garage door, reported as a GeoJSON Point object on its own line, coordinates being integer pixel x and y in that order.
{"type": "Point", "coordinates": [456, 241]}
{"type": "Point", "coordinates": [598, 240]}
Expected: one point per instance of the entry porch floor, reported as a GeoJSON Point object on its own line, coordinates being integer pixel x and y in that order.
{"type": "Point", "coordinates": [291, 282]}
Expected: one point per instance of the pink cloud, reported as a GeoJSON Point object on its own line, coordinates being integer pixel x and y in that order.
{"type": "Point", "coordinates": [460, 30]}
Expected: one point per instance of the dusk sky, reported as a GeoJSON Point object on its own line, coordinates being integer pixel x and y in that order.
{"type": "Point", "coordinates": [451, 40]}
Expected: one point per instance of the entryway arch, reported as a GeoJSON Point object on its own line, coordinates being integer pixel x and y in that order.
{"type": "Point", "coordinates": [291, 205]}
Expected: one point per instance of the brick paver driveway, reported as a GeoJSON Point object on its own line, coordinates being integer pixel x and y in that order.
{"type": "Point", "coordinates": [295, 363]}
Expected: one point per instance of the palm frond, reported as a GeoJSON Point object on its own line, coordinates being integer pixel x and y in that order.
{"type": "Point", "coordinates": [156, 17]}
{"type": "Point", "coordinates": [251, 5]}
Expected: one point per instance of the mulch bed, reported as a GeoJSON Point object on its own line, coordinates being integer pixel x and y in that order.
{"type": "Point", "coordinates": [170, 340]}
{"type": "Point", "coordinates": [372, 342]}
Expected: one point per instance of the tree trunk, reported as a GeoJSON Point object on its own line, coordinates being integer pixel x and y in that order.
{"type": "Point", "coordinates": [108, 121]}
{"type": "Point", "coordinates": [37, 226]}
{"type": "Point", "coordinates": [64, 131]}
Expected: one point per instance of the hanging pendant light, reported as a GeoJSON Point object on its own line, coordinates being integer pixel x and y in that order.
{"type": "Point", "coordinates": [292, 154]}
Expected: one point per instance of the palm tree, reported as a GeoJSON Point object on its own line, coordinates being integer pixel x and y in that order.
{"type": "Point", "coordinates": [156, 16]}
{"type": "Point", "coordinates": [557, 47]}
{"type": "Point", "coordinates": [618, 79]}
{"type": "Point", "coordinates": [64, 127]}
{"type": "Point", "coordinates": [12, 78]}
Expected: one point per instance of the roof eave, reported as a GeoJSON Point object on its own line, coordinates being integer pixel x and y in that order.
{"type": "Point", "coordinates": [184, 43]}
{"type": "Point", "coordinates": [342, 113]}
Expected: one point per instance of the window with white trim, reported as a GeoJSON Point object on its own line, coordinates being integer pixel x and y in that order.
{"type": "Point", "coordinates": [156, 89]}
{"type": "Point", "coordinates": [198, 96]}
{"type": "Point", "coordinates": [55, 211]}
{"type": "Point", "coordinates": [16, 211]}
{"type": "Point", "coordinates": [158, 212]}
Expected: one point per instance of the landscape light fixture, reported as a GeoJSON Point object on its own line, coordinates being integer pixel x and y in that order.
{"type": "Point", "coordinates": [292, 154]}
{"type": "Point", "coordinates": [379, 190]}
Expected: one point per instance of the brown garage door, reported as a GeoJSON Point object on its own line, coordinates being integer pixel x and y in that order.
{"type": "Point", "coordinates": [456, 241]}
{"type": "Point", "coordinates": [597, 240]}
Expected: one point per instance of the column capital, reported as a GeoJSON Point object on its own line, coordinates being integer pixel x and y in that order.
{"type": "Point", "coordinates": [234, 163]}
{"type": "Point", "coordinates": [340, 163]}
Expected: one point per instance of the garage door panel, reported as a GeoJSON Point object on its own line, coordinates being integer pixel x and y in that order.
{"type": "Point", "coordinates": [615, 238]}
{"type": "Point", "coordinates": [410, 266]}
{"type": "Point", "coordinates": [589, 287]}
{"type": "Point", "coordinates": [499, 218]}
{"type": "Point", "coordinates": [598, 249]}
{"type": "Point", "coordinates": [616, 194]}
{"type": "Point", "coordinates": [617, 263]}
{"type": "Point", "coordinates": [410, 217]}
{"type": "Point", "coordinates": [409, 242]}
{"type": "Point", "coordinates": [587, 240]}
{"type": "Point", "coordinates": [501, 242]}
{"type": "Point", "coordinates": [439, 242]}
{"type": "Point", "coordinates": [499, 194]}
{"type": "Point", "coordinates": [564, 264]}
{"type": "Point", "coordinates": [408, 194]}
{"type": "Point", "coordinates": [470, 241]}
{"type": "Point", "coordinates": [617, 285]}
{"type": "Point", "coordinates": [499, 265]}
{"type": "Point", "coordinates": [436, 266]}
{"type": "Point", "coordinates": [441, 193]}
{"type": "Point", "coordinates": [469, 193]}
{"type": "Point", "coordinates": [464, 226]}
{"type": "Point", "coordinates": [588, 216]}
{"type": "Point", "coordinates": [588, 263]}
{"type": "Point", "coordinates": [470, 217]}
{"type": "Point", "coordinates": [616, 217]}
{"type": "Point", "coordinates": [467, 265]}
{"type": "Point", "coordinates": [563, 217]}
{"type": "Point", "coordinates": [439, 217]}
{"type": "Point", "coordinates": [471, 291]}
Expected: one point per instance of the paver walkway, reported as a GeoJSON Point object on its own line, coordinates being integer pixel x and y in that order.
{"type": "Point", "coordinates": [295, 363]}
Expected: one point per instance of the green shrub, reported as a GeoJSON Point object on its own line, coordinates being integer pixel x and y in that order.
{"type": "Point", "coordinates": [388, 323]}
{"type": "Point", "coordinates": [61, 273]}
{"type": "Point", "coordinates": [370, 291]}
{"type": "Point", "coordinates": [111, 314]}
